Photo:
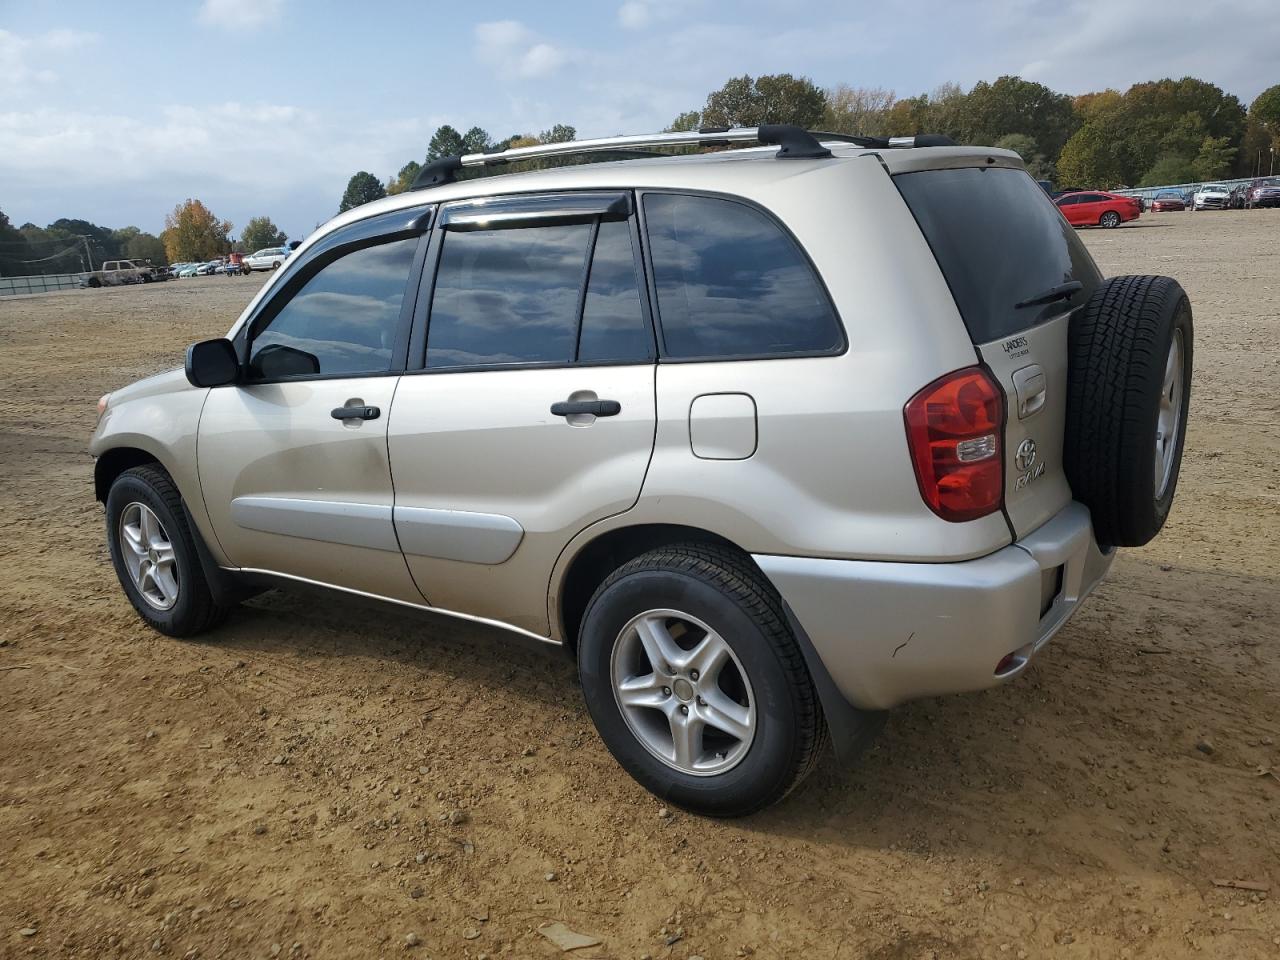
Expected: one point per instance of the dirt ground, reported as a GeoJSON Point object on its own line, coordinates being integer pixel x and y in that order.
{"type": "Point", "coordinates": [319, 779]}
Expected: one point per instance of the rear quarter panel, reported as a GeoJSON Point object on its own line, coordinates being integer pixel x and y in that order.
{"type": "Point", "coordinates": [831, 475]}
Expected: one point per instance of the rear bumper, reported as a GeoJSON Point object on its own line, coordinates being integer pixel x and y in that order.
{"type": "Point", "coordinates": [890, 632]}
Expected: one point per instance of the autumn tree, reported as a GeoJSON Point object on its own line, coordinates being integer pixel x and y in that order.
{"type": "Point", "coordinates": [260, 232]}
{"type": "Point", "coordinates": [363, 187]}
{"type": "Point", "coordinates": [192, 232]}
{"type": "Point", "coordinates": [403, 180]}
{"type": "Point", "coordinates": [775, 98]}
{"type": "Point", "coordinates": [858, 110]}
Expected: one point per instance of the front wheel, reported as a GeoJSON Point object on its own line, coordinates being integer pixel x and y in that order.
{"type": "Point", "coordinates": [154, 554]}
{"type": "Point", "coordinates": [1110, 219]}
{"type": "Point", "coordinates": [696, 683]}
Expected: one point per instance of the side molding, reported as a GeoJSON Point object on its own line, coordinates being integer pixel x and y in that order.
{"type": "Point", "coordinates": [487, 538]}
{"type": "Point", "coordinates": [330, 521]}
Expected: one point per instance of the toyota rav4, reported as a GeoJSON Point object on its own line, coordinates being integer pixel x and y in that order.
{"type": "Point", "coordinates": [769, 439]}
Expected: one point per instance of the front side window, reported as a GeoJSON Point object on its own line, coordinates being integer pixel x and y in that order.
{"type": "Point", "coordinates": [731, 283]}
{"type": "Point", "coordinates": [515, 295]}
{"type": "Point", "coordinates": [342, 321]}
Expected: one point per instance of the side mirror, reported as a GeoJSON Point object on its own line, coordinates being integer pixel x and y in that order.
{"type": "Point", "coordinates": [212, 363]}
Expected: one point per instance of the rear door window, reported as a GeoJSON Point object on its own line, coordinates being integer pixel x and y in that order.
{"type": "Point", "coordinates": [732, 284]}
{"type": "Point", "coordinates": [998, 241]}
{"type": "Point", "coordinates": [546, 294]}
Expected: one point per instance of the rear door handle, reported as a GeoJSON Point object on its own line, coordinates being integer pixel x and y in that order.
{"type": "Point", "coordinates": [355, 413]}
{"type": "Point", "coordinates": [595, 408]}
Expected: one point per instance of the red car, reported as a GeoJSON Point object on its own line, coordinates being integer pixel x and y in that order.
{"type": "Point", "coordinates": [1089, 208]}
{"type": "Point", "coordinates": [1168, 200]}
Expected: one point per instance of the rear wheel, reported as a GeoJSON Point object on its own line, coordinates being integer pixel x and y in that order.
{"type": "Point", "coordinates": [696, 683]}
{"type": "Point", "coordinates": [154, 554]}
{"type": "Point", "coordinates": [1129, 393]}
{"type": "Point", "coordinates": [1110, 219]}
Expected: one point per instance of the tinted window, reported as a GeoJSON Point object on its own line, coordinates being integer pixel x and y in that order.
{"type": "Point", "coordinates": [613, 326]}
{"type": "Point", "coordinates": [507, 296]}
{"type": "Point", "coordinates": [343, 320]}
{"type": "Point", "coordinates": [731, 283]}
{"type": "Point", "coordinates": [998, 241]}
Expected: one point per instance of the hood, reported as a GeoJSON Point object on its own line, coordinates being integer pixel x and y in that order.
{"type": "Point", "coordinates": [171, 381]}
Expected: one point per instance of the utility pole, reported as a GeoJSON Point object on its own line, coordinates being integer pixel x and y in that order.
{"type": "Point", "coordinates": [88, 252]}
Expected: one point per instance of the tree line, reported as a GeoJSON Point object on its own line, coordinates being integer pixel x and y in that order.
{"type": "Point", "coordinates": [1157, 132]}
{"type": "Point", "coordinates": [192, 233]}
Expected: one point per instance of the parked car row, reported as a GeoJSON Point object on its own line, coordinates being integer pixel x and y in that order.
{"type": "Point", "coordinates": [234, 264]}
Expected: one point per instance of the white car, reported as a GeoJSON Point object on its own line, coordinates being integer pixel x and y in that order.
{"type": "Point", "coordinates": [1212, 196]}
{"type": "Point", "coordinates": [268, 259]}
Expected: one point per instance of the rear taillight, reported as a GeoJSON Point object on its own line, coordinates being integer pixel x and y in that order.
{"type": "Point", "coordinates": [955, 427]}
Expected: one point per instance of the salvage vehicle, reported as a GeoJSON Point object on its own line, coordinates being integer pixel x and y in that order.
{"type": "Point", "coordinates": [1211, 196]}
{"type": "Point", "coordinates": [769, 439]}
{"type": "Point", "coordinates": [115, 273]}
{"type": "Point", "coordinates": [1167, 200]}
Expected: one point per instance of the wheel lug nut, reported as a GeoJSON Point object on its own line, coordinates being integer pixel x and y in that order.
{"type": "Point", "coordinates": [693, 675]}
{"type": "Point", "coordinates": [684, 709]}
{"type": "Point", "coordinates": [701, 702]}
{"type": "Point", "coordinates": [666, 691]}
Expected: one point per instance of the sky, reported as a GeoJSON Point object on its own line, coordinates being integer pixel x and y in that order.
{"type": "Point", "coordinates": [115, 114]}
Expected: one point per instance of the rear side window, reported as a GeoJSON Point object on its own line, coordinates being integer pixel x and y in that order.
{"type": "Point", "coordinates": [732, 283]}
{"type": "Point", "coordinates": [613, 326]}
{"type": "Point", "coordinates": [998, 241]}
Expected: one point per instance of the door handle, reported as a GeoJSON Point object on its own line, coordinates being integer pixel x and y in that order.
{"type": "Point", "coordinates": [355, 413]}
{"type": "Point", "coordinates": [595, 408]}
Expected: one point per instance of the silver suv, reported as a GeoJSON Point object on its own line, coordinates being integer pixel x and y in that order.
{"type": "Point", "coordinates": [770, 439]}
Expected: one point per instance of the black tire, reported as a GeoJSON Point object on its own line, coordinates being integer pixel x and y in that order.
{"type": "Point", "coordinates": [94, 282]}
{"type": "Point", "coordinates": [1110, 219]}
{"type": "Point", "coordinates": [276, 265]}
{"type": "Point", "coordinates": [724, 591]}
{"type": "Point", "coordinates": [194, 610]}
{"type": "Point", "coordinates": [1119, 346]}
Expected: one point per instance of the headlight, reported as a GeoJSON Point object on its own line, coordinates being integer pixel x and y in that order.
{"type": "Point", "coordinates": [102, 404]}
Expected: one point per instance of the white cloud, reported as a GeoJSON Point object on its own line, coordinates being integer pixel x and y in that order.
{"type": "Point", "coordinates": [635, 15]}
{"type": "Point", "coordinates": [24, 60]}
{"type": "Point", "coordinates": [240, 14]}
{"type": "Point", "coordinates": [516, 50]}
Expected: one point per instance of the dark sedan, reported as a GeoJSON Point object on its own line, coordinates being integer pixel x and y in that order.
{"type": "Point", "coordinates": [1167, 200]}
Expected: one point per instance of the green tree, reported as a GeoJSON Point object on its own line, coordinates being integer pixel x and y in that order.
{"type": "Point", "coordinates": [560, 133]}
{"type": "Point", "coordinates": [192, 232]}
{"type": "Point", "coordinates": [687, 121]}
{"type": "Point", "coordinates": [260, 232]}
{"type": "Point", "coordinates": [1214, 160]}
{"type": "Point", "coordinates": [1266, 109]}
{"type": "Point", "coordinates": [363, 187]}
{"type": "Point", "coordinates": [445, 142]}
{"type": "Point", "coordinates": [1168, 170]}
{"type": "Point", "coordinates": [1092, 158]}
{"type": "Point", "coordinates": [476, 140]}
{"type": "Point", "coordinates": [775, 98]}
{"type": "Point", "coordinates": [1012, 105]}
{"type": "Point", "coordinates": [1154, 120]}
{"type": "Point", "coordinates": [146, 246]}
{"type": "Point", "coordinates": [1025, 147]}
{"type": "Point", "coordinates": [14, 248]}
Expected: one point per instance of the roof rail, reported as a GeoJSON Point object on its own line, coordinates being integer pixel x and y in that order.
{"type": "Point", "coordinates": [793, 143]}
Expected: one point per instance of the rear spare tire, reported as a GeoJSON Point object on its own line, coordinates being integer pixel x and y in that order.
{"type": "Point", "coordinates": [1128, 395]}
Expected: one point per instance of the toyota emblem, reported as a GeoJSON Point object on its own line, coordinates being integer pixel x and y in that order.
{"type": "Point", "coordinates": [1025, 458]}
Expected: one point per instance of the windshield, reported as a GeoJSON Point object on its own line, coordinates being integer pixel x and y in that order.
{"type": "Point", "coordinates": [1000, 242]}
{"type": "Point", "coordinates": [1220, 188]}
{"type": "Point", "coordinates": [1169, 194]}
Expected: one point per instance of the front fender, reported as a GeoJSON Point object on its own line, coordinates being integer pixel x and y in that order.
{"type": "Point", "coordinates": [158, 417]}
